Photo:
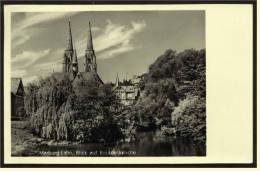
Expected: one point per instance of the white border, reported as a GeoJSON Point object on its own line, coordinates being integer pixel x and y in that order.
{"type": "Point", "coordinates": [229, 84]}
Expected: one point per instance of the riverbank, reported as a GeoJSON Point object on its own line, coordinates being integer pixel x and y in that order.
{"type": "Point", "coordinates": [23, 140]}
{"type": "Point", "coordinates": [151, 143]}
{"type": "Point", "coordinates": [20, 137]}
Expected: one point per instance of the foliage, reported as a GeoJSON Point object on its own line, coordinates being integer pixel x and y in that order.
{"type": "Point", "coordinates": [30, 102]}
{"type": "Point", "coordinates": [175, 81]}
{"type": "Point", "coordinates": [82, 112]}
{"type": "Point", "coordinates": [173, 95]}
{"type": "Point", "coordinates": [190, 118]}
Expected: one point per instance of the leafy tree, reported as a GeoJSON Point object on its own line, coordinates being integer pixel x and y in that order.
{"type": "Point", "coordinates": [173, 79]}
{"type": "Point", "coordinates": [82, 112]}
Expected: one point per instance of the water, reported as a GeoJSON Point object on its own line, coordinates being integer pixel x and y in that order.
{"type": "Point", "coordinates": [146, 144]}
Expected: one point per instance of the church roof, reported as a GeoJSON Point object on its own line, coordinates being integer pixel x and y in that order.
{"type": "Point", "coordinates": [88, 76]}
{"type": "Point", "coordinates": [15, 82]}
{"type": "Point", "coordinates": [58, 76]}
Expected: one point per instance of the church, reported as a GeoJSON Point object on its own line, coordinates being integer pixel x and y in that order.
{"type": "Point", "coordinates": [127, 91]}
{"type": "Point", "coordinates": [70, 64]}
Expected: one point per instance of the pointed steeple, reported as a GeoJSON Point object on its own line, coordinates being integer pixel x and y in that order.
{"type": "Point", "coordinates": [89, 43]}
{"type": "Point", "coordinates": [117, 80]}
{"type": "Point", "coordinates": [70, 44]}
{"type": "Point", "coordinates": [75, 57]}
{"type": "Point", "coordinates": [90, 57]}
{"type": "Point", "coordinates": [75, 68]}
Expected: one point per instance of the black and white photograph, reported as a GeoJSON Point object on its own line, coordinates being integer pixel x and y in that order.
{"type": "Point", "coordinates": [108, 83]}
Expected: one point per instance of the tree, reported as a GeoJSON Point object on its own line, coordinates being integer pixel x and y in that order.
{"type": "Point", "coordinates": [82, 112]}
{"type": "Point", "coordinates": [174, 79]}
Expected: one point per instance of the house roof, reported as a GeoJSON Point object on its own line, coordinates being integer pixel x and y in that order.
{"type": "Point", "coordinates": [15, 84]}
{"type": "Point", "coordinates": [127, 89]}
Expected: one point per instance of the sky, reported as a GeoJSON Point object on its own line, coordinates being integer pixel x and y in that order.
{"type": "Point", "coordinates": [124, 42]}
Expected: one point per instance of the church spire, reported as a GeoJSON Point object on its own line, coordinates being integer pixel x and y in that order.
{"type": "Point", "coordinates": [89, 43]}
{"type": "Point", "coordinates": [90, 57]}
{"type": "Point", "coordinates": [117, 80]}
{"type": "Point", "coordinates": [75, 57]}
{"type": "Point", "coordinates": [68, 54]}
{"type": "Point", "coordinates": [75, 67]}
{"type": "Point", "coordinates": [70, 44]}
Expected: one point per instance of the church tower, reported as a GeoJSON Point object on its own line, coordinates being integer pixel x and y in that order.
{"type": "Point", "coordinates": [90, 57]}
{"type": "Point", "coordinates": [68, 53]}
{"type": "Point", "coordinates": [75, 68]}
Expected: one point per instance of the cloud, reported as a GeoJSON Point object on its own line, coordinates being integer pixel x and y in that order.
{"type": "Point", "coordinates": [43, 69]}
{"type": "Point", "coordinates": [53, 57]}
{"type": "Point", "coordinates": [29, 79]}
{"type": "Point", "coordinates": [114, 39]}
{"type": "Point", "coordinates": [37, 18]}
{"type": "Point", "coordinates": [18, 73]}
{"type": "Point", "coordinates": [95, 29]}
{"type": "Point", "coordinates": [23, 37]}
{"type": "Point", "coordinates": [55, 66]}
{"type": "Point", "coordinates": [29, 65]}
{"type": "Point", "coordinates": [115, 34]}
{"type": "Point", "coordinates": [27, 58]}
{"type": "Point", "coordinates": [113, 52]}
{"type": "Point", "coordinates": [21, 33]}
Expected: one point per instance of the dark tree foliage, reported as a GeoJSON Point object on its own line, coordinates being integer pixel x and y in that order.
{"type": "Point", "coordinates": [171, 79]}
{"type": "Point", "coordinates": [30, 101]}
{"type": "Point", "coordinates": [82, 112]}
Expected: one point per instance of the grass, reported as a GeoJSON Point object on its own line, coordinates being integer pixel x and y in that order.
{"type": "Point", "coordinates": [20, 135]}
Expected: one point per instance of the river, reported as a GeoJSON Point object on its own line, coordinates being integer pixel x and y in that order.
{"type": "Point", "coordinates": [145, 144]}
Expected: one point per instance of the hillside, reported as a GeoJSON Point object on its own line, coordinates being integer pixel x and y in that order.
{"type": "Point", "coordinates": [174, 95]}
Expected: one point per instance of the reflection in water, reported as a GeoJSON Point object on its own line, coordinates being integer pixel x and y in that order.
{"type": "Point", "coordinates": [154, 144]}
{"type": "Point", "coordinates": [146, 144]}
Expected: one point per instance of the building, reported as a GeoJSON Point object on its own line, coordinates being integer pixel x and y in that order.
{"type": "Point", "coordinates": [17, 99]}
{"type": "Point", "coordinates": [127, 91]}
{"type": "Point", "coordinates": [70, 60]}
